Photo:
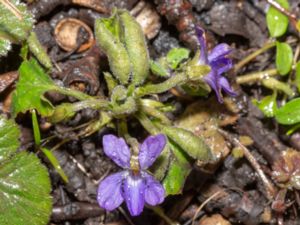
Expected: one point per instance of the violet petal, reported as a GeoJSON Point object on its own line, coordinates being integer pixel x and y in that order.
{"type": "Point", "coordinates": [151, 149]}
{"type": "Point", "coordinates": [203, 50]}
{"type": "Point", "coordinates": [154, 192]}
{"type": "Point", "coordinates": [212, 79]}
{"type": "Point", "coordinates": [117, 149]}
{"type": "Point", "coordinates": [226, 87]}
{"type": "Point", "coordinates": [134, 188]}
{"type": "Point", "coordinates": [221, 65]}
{"type": "Point", "coordinates": [109, 195]}
{"type": "Point", "coordinates": [220, 51]}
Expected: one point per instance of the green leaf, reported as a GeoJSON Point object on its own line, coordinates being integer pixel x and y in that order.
{"type": "Point", "coordinates": [24, 52]}
{"type": "Point", "coordinates": [110, 82]}
{"type": "Point", "coordinates": [24, 182]}
{"type": "Point", "coordinates": [176, 56]}
{"type": "Point", "coordinates": [24, 191]}
{"type": "Point", "coordinates": [9, 134]}
{"type": "Point", "coordinates": [158, 69]}
{"type": "Point", "coordinates": [55, 163]}
{"type": "Point", "coordinates": [267, 105]}
{"type": "Point", "coordinates": [107, 35]}
{"type": "Point", "coordinates": [5, 46]}
{"type": "Point", "coordinates": [193, 145]}
{"type": "Point", "coordinates": [47, 153]}
{"type": "Point", "coordinates": [277, 22]}
{"type": "Point", "coordinates": [284, 58]}
{"type": "Point", "coordinates": [123, 41]}
{"type": "Point", "coordinates": [163, 107]}
{"type": "Point", "coordinates": [36, 128]}
{"type": "Point", "coordinates": [12, 28]}
{"type": "Point", "coordinates": [135, 43]}
{"type": "Point", "coordinates": [298, 75]}
{"type": "Point", "coordinates": [179, 169]}
{"type": "Point", "coordinates": [29, 94]}
{"type": "Point", "coordinates": [38, 50]}
{"type": "Point", "coordinates": [289, 113]}
{"type": "Point", "coordinates": [293, 129]}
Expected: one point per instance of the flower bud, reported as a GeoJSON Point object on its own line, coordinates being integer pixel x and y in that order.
{"type": "Point", "coordinates": [193, 145]}
{"type": "Point", "coordinates": [62, 112]}
{"type": "Point", "coordinates": [123, 41]}
{"type": "Point", "coordinates": [107, 34]}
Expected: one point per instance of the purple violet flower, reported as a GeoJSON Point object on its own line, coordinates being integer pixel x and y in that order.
{"type": "Point", "coordinates": [219, 62]}
{"type": "Point", "coordinates": [133, 184]}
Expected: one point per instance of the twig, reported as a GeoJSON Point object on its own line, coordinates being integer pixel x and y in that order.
{"type": "Point", "coordinates": [57, 146]}
{"type": "Point", "coordinates": [81, 168]}
{"type": "Point", "coordinates": [270, 189]}
{"type": "Point", "coordinates": [203, 204]}
{"type": "Point", "coordinates": [75, 211]}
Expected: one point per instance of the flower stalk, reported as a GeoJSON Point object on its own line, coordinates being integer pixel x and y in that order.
{"type": "Point", "coordinates": [173, 81]}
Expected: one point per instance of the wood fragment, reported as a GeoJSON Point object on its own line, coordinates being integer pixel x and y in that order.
{"type": "Point", "coordinates": [6, 79]}
{"type": "Point", "coordinates": [75, 211]}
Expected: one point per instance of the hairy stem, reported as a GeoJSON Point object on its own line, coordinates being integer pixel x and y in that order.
{"type": "Point", "coordinates": [90, 103]}
{"type": "Point", "coordinates": [256, 76]}
{"type": "Point", "coordinates": [73, 93]}
{"type": "Point", "coordinates": [161, 87]}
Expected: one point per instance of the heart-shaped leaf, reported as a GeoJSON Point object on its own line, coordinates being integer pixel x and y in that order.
{"type": "Point", "coordinates": [9, 134]}
{"type": "Point", "coordinates": [29, 94]}
{"type": "Point", "coordinates": [15, 22]}
{"type": "Point", "coordinates": [24, 182]}
{"type": "Point", "coordinates": [24, 191]}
